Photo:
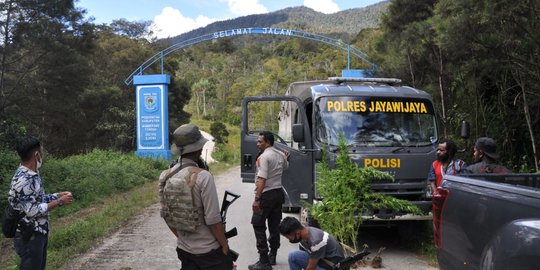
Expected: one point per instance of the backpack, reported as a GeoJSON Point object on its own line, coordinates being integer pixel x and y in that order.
{"type": "Point", "coordinates": [494, 168]}
{"type": "Point", "coordinates": [10, 221]}
{"type": "Point", "coordinates": [180, 212]}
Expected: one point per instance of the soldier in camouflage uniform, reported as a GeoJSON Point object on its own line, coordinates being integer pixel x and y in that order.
{"type": "Point", "coordinates": [190, 207]}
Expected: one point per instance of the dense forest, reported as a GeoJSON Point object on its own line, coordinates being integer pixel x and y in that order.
{"type": "Point", "coordinates": [61, 75]}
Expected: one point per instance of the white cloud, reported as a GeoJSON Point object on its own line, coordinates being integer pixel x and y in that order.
{"type": "Point", "coordinates": [324, 6]}
{"type": "Point", "coordinates": [171, 23]}
{"type": "Point", "coordinates": [246, 7]}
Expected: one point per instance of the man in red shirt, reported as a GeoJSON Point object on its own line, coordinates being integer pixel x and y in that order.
{"type": "Point", "coordinates": [446, 163]}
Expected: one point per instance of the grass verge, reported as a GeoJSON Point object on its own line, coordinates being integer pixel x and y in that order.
{"type": "Point", "coordinates": [73, 235]}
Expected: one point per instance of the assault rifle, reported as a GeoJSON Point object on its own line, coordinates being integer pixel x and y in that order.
{"type": "Point", "coordinates": [346, 263]}
{"type": "Point", "coordinates": [228, 199]}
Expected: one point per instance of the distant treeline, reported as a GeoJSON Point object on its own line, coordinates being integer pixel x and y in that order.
{"type": "Point", "coordinates": [62, 76]}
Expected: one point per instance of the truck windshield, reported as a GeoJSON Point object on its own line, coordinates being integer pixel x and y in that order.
{"type": "Point", "coordinates": [375, 121]}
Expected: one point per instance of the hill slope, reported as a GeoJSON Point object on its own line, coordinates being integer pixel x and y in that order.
{"type": "Point", "coordinates": [344, 23]}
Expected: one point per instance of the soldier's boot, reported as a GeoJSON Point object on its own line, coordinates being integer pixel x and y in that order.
{"type": "Point", "coordinates": [262, 264]}
{"type": "Point", "coordinates": [272, 257]}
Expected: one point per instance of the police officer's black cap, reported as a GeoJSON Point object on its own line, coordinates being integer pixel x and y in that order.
{"type": "Point", "coordinates": [488, 146]}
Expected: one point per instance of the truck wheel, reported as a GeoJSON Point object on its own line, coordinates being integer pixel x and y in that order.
{"type": "Point", "coordinates": [306, 219]}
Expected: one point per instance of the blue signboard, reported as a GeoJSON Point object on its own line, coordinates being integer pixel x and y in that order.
{"type": "Point", "coordinates": [152, 116]}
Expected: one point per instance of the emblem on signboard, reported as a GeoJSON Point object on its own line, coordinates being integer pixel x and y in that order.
{"type": "Point", "coordinates": [150, 103]}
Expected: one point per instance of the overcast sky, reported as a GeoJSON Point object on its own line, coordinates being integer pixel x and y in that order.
{"type": "Point", "coordinates": [174, 17]}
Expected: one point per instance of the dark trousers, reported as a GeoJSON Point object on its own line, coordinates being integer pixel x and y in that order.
{"type": "Point", "coordinates": [213, 260]}
{"type": "Point", "coordinates": [270, 203]}
{"type": "Point", "coordinates": [33, 252]}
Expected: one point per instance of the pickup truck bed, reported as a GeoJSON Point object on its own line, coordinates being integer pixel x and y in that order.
{"type": "Point", "coordinates": [488, 221]}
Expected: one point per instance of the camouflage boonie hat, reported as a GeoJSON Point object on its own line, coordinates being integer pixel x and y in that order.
{"type": "Point", "coordinates": [187, 139]}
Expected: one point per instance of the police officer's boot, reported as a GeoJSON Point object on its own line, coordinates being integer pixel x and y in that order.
{"type": "Point", "coordinates": [262, 264]}
{"type": "Point", "coordinates": [272, 257]}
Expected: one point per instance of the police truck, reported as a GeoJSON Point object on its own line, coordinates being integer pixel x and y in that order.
{"type": "Point", "coordinates": [387, 126]}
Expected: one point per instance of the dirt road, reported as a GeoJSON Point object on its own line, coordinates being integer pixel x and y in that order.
{"type": "Point", "coordinates": [146, 242]}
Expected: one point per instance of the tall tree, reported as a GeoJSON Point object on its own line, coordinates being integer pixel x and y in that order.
{"type": "Point", "coordinates": [479, 59]}
{"type": "Point", "coordinates": [44, 50]}
{"type": "Point", "coordinates": [201, 87]}
{"type": "Point", "coordinates": [494, 49]}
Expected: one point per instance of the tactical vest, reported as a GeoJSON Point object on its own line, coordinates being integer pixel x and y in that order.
{"type": "Point", "coordinates": [179, 210]}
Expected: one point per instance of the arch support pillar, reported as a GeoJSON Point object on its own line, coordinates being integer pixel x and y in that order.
{"type": "Point", "coordinates": [152, 115]}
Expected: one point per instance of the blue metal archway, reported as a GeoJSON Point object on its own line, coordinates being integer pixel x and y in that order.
{"type": "Point", "coordinates": [158, 57]}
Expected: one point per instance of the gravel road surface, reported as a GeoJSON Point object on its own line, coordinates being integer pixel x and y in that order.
{"type": "Point", "coordinates": [146, 242]}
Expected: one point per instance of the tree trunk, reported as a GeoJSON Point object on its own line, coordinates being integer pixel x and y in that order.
{"type": "Point", "coordinates": [411, 70]}
{"type": "Point", "coordinates": [197, 98]}
{"type": "Point", "coordinates": [3, 68]}
{"type": "Point", "coordinates": [204, 101]}
{"type": "Point", "coordinates": [443, 106]}
{"type": "Point", "coordinates": [528, 120]}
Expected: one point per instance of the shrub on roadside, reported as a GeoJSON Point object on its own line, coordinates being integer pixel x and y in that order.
{"type": "Point", "coordinates": [220, 133]}
{"type": "Point", "coordinates": [9, 161]}
{"type": "Point", "coordinates": [89, 177]}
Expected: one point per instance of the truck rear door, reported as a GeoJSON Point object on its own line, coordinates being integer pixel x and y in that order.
{"type": "Point", "coordinates": [277, 114]}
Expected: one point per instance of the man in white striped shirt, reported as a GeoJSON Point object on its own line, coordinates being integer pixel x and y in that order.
{"type": "Point", "coordinates": [318, 250]}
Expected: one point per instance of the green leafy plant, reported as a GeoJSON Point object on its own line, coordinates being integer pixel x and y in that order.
{"type": "Point", "coordinates": [219, 132]}
{"type": "Point", "coordinates": [347, 194]}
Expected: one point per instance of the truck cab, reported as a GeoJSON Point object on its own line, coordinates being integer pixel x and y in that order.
{"type": "Point", "coordinates": [389, 127]}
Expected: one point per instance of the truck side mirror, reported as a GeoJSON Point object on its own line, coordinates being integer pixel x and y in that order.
{"type": "Point", "coordinates": [298, 132]}
{"type": "Point", "coordinates": [465, 132]}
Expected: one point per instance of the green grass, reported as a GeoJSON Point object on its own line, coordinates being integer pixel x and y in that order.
{"type": "Point", "coordinates": [110, 188]}
{"type": "Point", "coordinates": [76, 236]}
{"type": "Point", "coordinates": [73, 235]}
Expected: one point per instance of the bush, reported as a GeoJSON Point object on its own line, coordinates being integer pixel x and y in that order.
{"type": "Point", "coordinates": [219, 132]}
{"type": "Point", "coordinates": [89, 177]}
{"type": "Point", "coordinates": [9, 161]}
{"type": "Point", "coordinates": [223, 155]}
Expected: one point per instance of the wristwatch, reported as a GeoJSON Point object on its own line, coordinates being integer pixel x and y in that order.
{"type": "Point", "coordinates": [60, 202]}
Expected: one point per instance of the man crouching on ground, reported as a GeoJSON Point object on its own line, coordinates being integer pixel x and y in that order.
{"type": "Point", "coordinates": [319, 250]}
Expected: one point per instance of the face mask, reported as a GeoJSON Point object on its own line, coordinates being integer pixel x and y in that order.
{"type": "Point", "coordinates": [296, 239]}
{"type": "Point", "coordinates": [39, 162]}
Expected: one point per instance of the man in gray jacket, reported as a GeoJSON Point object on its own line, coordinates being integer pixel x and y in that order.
{"type": "Point", "coordinates": [485, 157]}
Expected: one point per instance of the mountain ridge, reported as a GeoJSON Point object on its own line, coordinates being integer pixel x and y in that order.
{"type": "Point", "coordinates": [342, 24]}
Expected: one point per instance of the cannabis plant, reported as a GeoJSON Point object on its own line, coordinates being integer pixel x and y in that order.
{"type": "Point", "coordinates": [346, 192]}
